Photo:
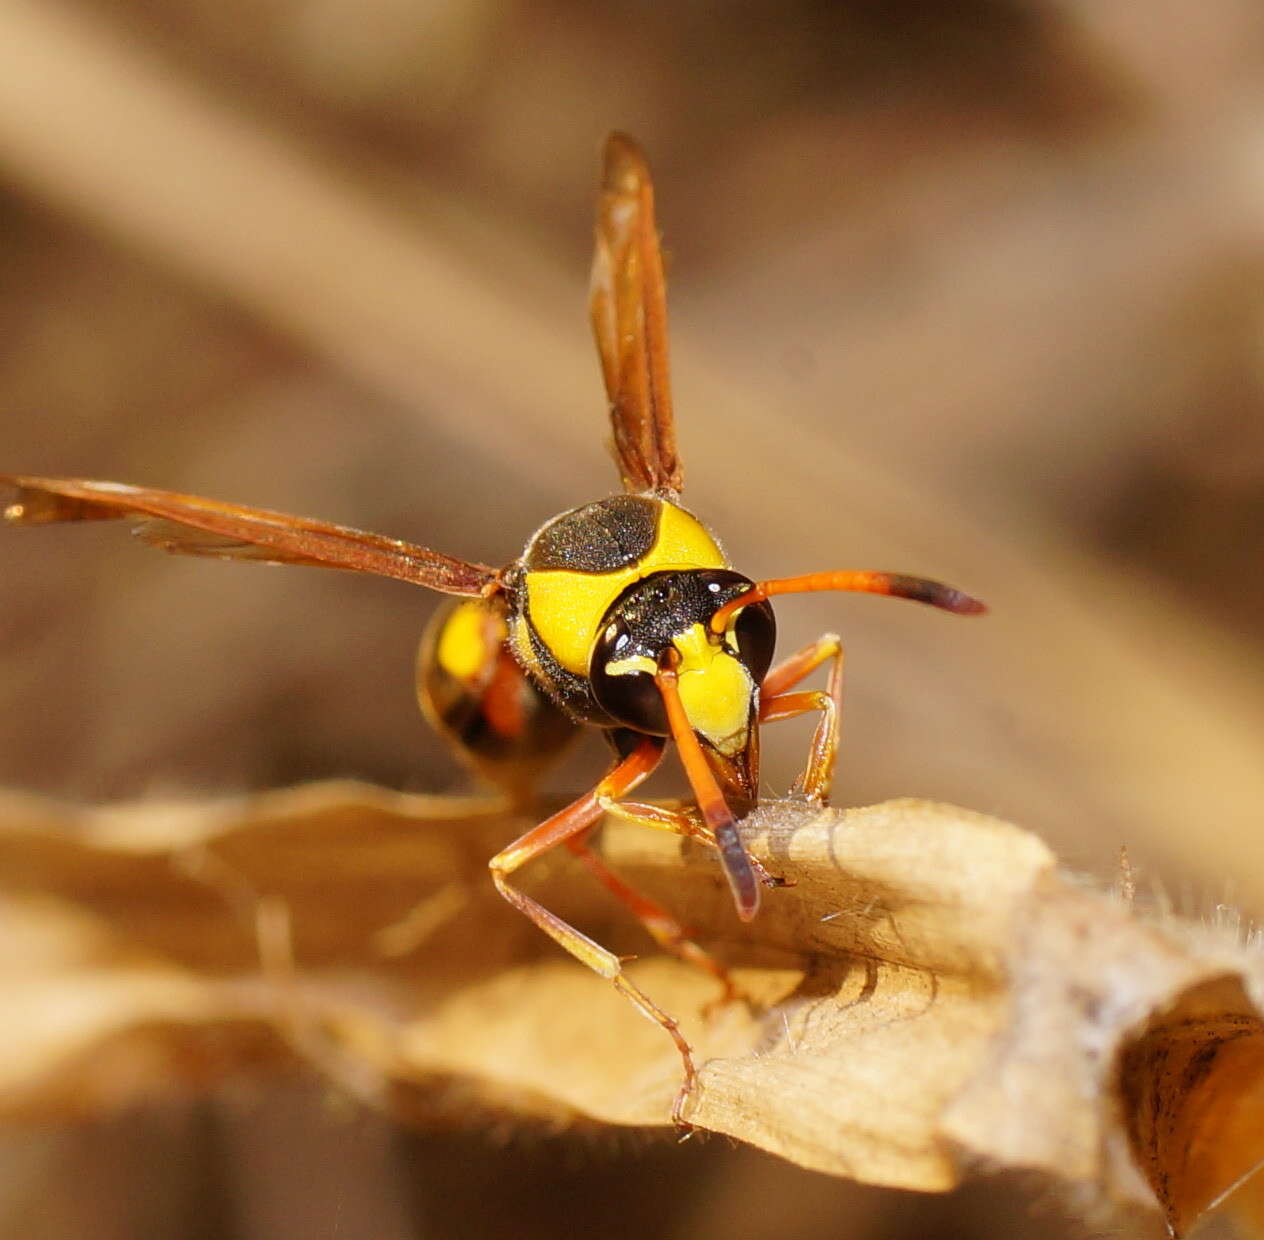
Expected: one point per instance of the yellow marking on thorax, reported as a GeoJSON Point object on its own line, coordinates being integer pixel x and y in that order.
{"type": "Point", "coordinates": [567, 608]}
{"type": "Point", "coordinates": [521, 638]}
{"type": "Point", "coordinates": [462, 648]}
{"type": "Point", "coordinates": [715, 689]}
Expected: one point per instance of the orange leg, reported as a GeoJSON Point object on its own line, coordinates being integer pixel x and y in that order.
{"type": "Point", "coordinates": [679, 822]}
{"type": "Point", "coordinates": [665, 930]}
{"type": "Point", "coordinates": [562, 827]}
{"type": "Point", "coordinates": [776, 703]}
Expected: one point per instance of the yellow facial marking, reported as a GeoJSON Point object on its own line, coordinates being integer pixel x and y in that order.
{"type": "Point", "coordinates": [462, 648]}
{"type": "Point", "coordinates": [627, 667]}
{"type": "Point", "coordinates": [716, 690]}
{"type": "Point", "coordinates": [567, 608]}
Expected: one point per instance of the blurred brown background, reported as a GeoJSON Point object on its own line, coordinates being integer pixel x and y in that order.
{"type": "Point", "coordinates": [964, 290]}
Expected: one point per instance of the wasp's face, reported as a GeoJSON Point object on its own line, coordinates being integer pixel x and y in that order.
{"type": "Point", "coordinates": [664, 620]}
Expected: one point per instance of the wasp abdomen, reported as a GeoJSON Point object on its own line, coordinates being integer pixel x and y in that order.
{"type": "Point", "coordinates": [474, 693]}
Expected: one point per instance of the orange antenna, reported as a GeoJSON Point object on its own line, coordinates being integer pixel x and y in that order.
{"type": "Point", "coordinates": [919, 589]}
{"type": "Point", "coordinates": [715, 810]}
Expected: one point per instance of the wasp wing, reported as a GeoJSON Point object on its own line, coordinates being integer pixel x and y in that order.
{"type": "Point", "coordinates": [191, 525]}
{"type": "Point", "coordinates": [628, 306]}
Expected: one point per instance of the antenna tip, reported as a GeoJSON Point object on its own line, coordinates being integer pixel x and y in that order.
{"type": "Point", "coordinates": [964, 604]}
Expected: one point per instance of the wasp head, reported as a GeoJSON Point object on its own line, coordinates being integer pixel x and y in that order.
{"type": "Point", "coordinates": [664, 621]}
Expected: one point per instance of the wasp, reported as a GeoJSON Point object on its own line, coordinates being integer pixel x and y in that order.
{"type": "Point", "coordinates": [623, 615]}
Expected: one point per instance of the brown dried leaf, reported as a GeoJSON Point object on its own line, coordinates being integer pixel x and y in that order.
{"type": "Point", "coordinates": [932, 995]}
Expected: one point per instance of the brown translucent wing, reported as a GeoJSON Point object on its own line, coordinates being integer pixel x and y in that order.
{"type": "Point", "coordinates": [628, 305]}
{"type": "Point", "coordinates": [191, 525]}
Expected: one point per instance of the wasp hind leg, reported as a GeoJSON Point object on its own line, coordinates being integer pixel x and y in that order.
{"type": "Point", "coordinates": [776, 702]}
{"type": "Point", "coordinates": [567, 827]}
{"type": "Point", "coordinates": [663, 928]}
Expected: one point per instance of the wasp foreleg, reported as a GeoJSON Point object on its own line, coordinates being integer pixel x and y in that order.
{"type": "Point", "coordinates": [684, 822]}
{"type": "Point", "coordinates": [776, 703]}
{"type": "Point", "coordinates": [562, 828]}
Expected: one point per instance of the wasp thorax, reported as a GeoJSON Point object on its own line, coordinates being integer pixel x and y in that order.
{"type": "Point", "coordinates": [667, 617]}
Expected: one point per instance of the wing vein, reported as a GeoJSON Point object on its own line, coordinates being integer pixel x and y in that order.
{"type": "Point", "coordinates": [193, 525]}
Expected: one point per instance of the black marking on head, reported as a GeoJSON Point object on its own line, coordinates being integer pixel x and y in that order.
{"type": "Point", "coordinates": [642, 625]}
{"type": "Point", "coordinates": [597, 538]}
{"type": "Point", "coordinates": [625, 740]}
{"type": "Point", "coordinates": [660, 607]}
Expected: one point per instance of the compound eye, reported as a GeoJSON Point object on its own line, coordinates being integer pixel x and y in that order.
{"type": "Point", "coordinates": [622, 678]}
{"type": "Point", "coordinates": [755, 632]}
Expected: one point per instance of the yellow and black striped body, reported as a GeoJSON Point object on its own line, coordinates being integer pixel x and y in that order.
{"type": "Point", "coordinates": [623, 614]}
{"type": "Point", "coordinates": [575, 568]}
{"type": "Point", "coordinates": [602, 591]}
{"type": "Point", "coordinates": [475, 694]}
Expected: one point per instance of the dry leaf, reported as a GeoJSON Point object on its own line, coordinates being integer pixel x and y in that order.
{"type": "Point", "coordinates": [932, 995]}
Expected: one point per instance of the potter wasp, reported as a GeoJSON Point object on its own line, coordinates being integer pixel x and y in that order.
{"type": "Point", "coordinates": [623, 615]}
